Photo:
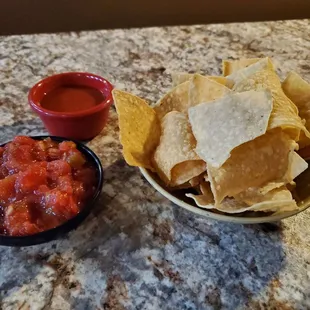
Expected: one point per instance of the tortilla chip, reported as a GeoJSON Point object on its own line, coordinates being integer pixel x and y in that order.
{"type": "Point", "coordinates": [202, 89]}
{"type": "Point", "coordinates": [297, 165]}
{"type": "Point", "coordinates": [202, 201]}
{"type": "Point", "coordinates": [255, 195]}
{"type": "Point", "coordinates": [186, 171]}
{"type": "Point", "coordinates": [221, 125]}
{"type": "Point", "coordinates": [252, 164]}
{"type": "Point", "coordinates": [139, 128]}
{"type": "Point", "coordinates": [298, 90]}
{"type": "Point", "coordinates": [175, 159]}
{"type": "Point", "coordinates": [284, 113]}
{"type": "Point", "coordinates": [279, 200]}
{"type": "Point", "coordinates": [196, 180]}
{"type": "Point", "coordinates": [205, 189]}
{"type": "Point", "coordinates": [231, 66]}
{"type": "Point", "coordinates": [175, 100]}
{"type": "Point", "coordinates": [245, 73]}
{"type": "Point", "coordinates": [181, 77]}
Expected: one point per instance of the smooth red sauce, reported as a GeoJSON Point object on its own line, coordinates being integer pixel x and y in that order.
{"type": "Point", "coordinates": [72, 99]}
{"type": "Point", "coordinates": [42, 185]}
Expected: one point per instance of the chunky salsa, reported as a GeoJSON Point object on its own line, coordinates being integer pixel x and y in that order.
{"type": "Point", "coordinates": [43, 183]}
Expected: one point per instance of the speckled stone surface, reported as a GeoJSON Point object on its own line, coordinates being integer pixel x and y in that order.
{"type": "Point", "coordinates": [137, 250]}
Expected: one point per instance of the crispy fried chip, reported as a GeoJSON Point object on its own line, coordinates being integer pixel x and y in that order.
{"type": "Point", "coordinates": [139, 129]}
{"type": "Point", "coordinates": [175, 159]}
{"type": "Point", "coordinates": [252, 164]}
{"type": "Point", "coordinates": [220, 126]}
{"type": "Point", "coordinates": [298, 90]}
{"type": "Point", "coordinates": [245, 73]}
{"type": "Point", "coordinates": [202, 89]}
{"type": "Point", "coordinates": [181, 77]}
{"type": "Point", "coordinates": [278, 200]}
{"type": "Point", "coordinates": [284, 113]}
{"type": "Point", "coordinates": [231, 66]}
{"type": "Point", "coordinates": [196, 180]}
{"type": "Point", "coordinates": [296, 165]}
{"type": "Point", "coordinates": [175, 100]}
{"type": "Point", "coordinates": [255, 195]}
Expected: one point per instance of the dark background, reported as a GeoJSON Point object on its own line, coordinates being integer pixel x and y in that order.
{"type": "Point", "coordinates": [33, 16]}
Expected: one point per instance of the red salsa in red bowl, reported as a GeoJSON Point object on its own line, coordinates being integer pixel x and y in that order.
{"type": "Point", "coordinates": [43, 184]}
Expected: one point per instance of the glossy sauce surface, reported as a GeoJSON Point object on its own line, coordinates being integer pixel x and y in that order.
{"type": "Point", "coordinates": [42, 184]}
{"type": "Point", "coordinates": [72, 98]}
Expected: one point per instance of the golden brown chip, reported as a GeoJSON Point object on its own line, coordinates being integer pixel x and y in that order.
{"type": "Point", "coordinates": [231, 66]}
{"type": "Point", "coordinates": [255, 195]}
{"type": "Point", "coordinates": [181, 77]}
{"type": "Point", "coordinates": [245, 73]}
{"type": "Point", "coordinates": [252, 164]}
{"type": "Point", "coordinates": [298, 90]}
{"type": "Point", "coordinates": [284, 113]}
{"type": "Point", "coordinates": [202, 89]}
{"type": "Point", "coordinates": [139, 128]}
{"type": "Point", "coordinates": [175, 100]}
{"type": "Point", "coordinates": [175, 159]}
{"type": "Point", "coordinates": [196, 180]}
{"type": "Point", "coordinates": [278, 201]}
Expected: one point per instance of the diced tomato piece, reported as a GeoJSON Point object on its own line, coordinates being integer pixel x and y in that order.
{"type": "Point", "coordinates": [17, 220]}
{"type": "Point", "coordinates": [66, 146]}
{"type": "Point", "coordinates": [57, 168]}
{"type": "Point", "coordinates": [64, 184]}
{"type": "Point", "coordinates": [1, 151]}
{"type": "Point", "coordinates": [30, 179]}
{"type": "Point", "coordinates": [60, 204]}
{"type": "Point", "coordinates": [17, 157]}
{"type": "Point", "coordinates": [23, 140]}
{"type": "Point", "coordinates": [7, 189]}
{"type": "Point", "coordinates": [3, 172]}
{"type": "Point", "coordinates": [39, 150]}
{"type": "Point", "coordinates": [42, 189]}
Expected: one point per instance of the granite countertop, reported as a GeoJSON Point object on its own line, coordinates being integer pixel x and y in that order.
{"type": "Point", "coordinates": [137, 250]}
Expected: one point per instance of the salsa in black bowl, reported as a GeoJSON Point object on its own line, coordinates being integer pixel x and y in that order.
{"type": "Point", "coordinates": [48, 185]}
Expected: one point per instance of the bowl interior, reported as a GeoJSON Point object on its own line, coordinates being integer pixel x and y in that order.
{"type": "Point", "coordinates": [301, 195]}
{"type": "Point", "coordinates": [72, 223]}
{"type": "Point", "coordinates": [39, 90]}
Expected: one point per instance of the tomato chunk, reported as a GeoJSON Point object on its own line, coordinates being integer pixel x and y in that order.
{"type": "Point", "coordinates": [66, 146]}
{"type": "Point", "coordinates": [30, 179]}
{"type": "Point", "coordinates": [17, 157]}
{"type": "Point", "coordinates": [60, 204]}
{"type": "Point", "coordinates": [23, 140]}
{"type": "Point", "coordinates": [58, 168]}
{"type": "Point", "coordinates": [18, 221]}
{"type": "Point", "coordinates": [7, 189]}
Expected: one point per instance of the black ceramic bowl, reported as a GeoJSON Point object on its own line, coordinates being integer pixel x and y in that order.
{"type": "Point", "coordinates": [71, 224]}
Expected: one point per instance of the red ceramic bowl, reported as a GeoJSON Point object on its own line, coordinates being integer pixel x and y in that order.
{"type": "Point", "coordinates": [80, 125]}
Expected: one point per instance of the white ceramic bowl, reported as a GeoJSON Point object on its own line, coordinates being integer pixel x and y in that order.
{"type": "Point", "coordinates": [179, 198]}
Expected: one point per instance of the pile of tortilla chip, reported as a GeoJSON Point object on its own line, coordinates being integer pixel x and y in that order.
{"type": "Point", "coordinates": [232, 139]}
